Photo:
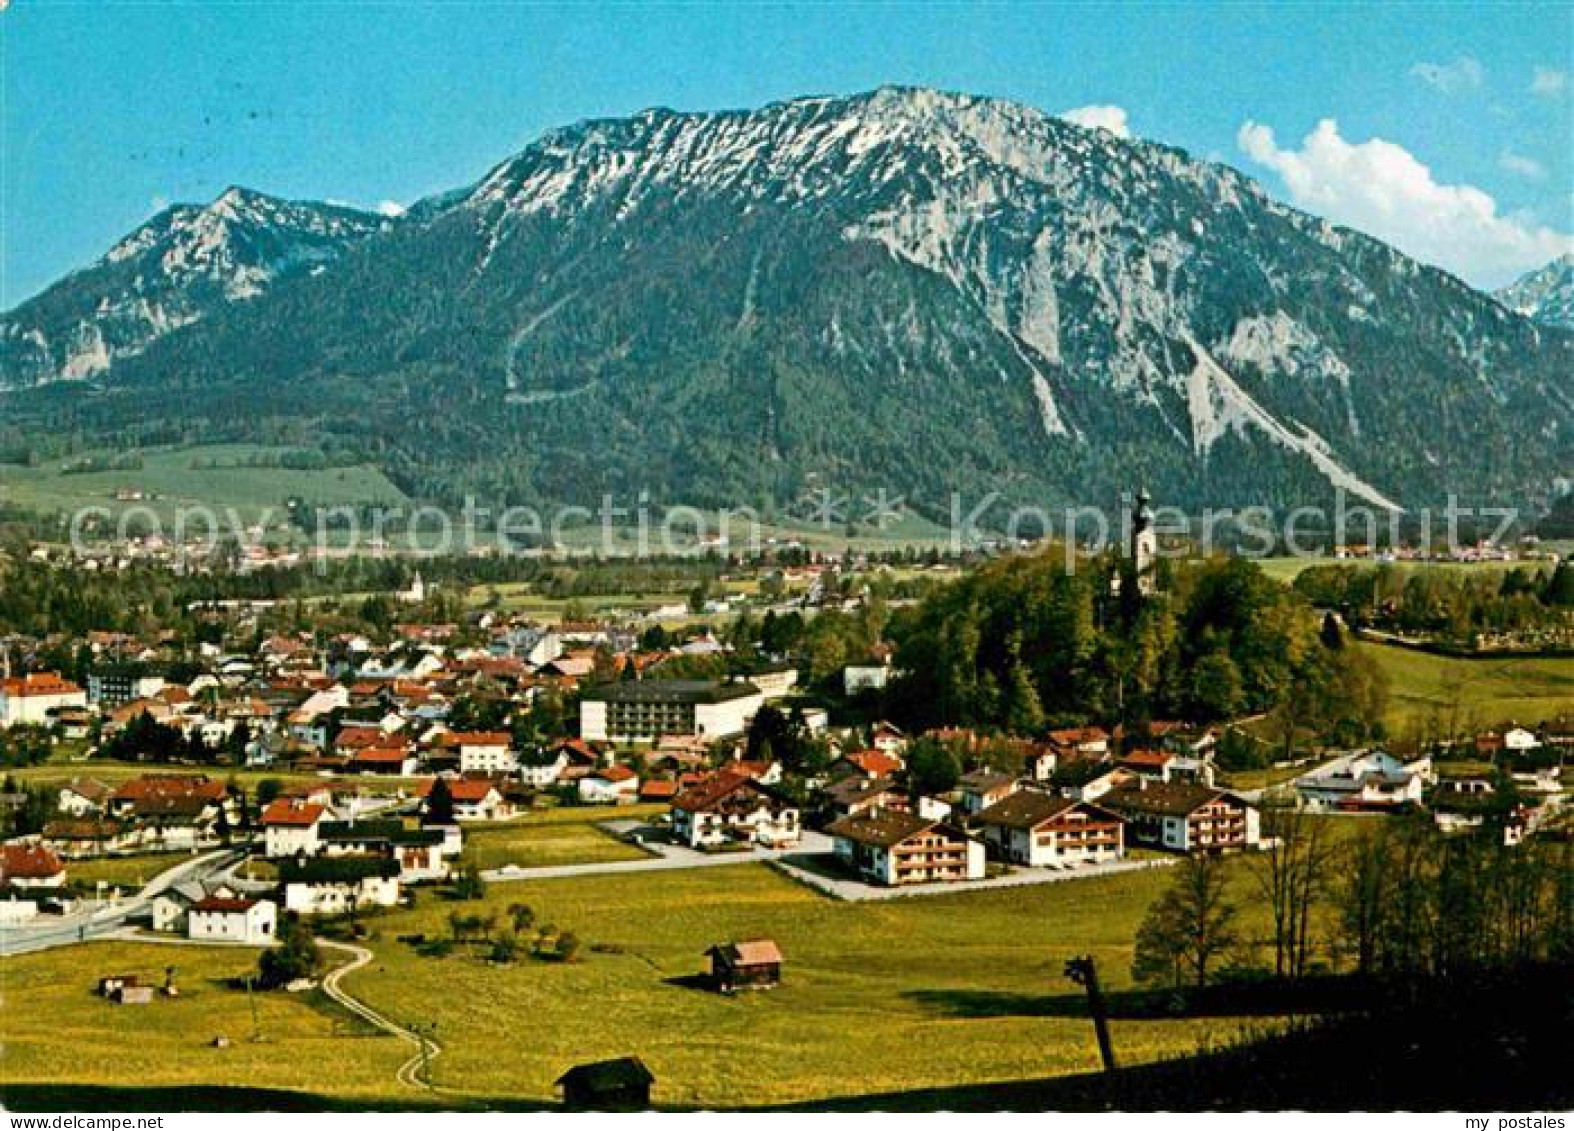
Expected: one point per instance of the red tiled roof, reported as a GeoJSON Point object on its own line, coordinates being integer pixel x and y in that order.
{"type": "Point", "coordinates": [292, 814]}
{"type": "Point", "coordinates": [382, 755]}
{"type": "Point", "coordinates": [463, 789]}
{"type": "Point", "coordinates": [1154, 758]}
{"type": "Point", "coordinates": [703, 795]}
{"type": "Point", "coordinates": [875, 762]}
{"type": "Point", "coordinates": [352, 737]}
{"type": "Point", "coordinates": [28, 862]}
{"type": "Point", "coordinates": [477, 738]}
{"type": "Point", "coordinates": [38, 684]}
{"type": "Point", "coordinates": [160, 787]}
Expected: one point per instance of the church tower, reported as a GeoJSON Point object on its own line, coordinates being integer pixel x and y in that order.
{"type": "Point", "coordinates": [1144, 542]}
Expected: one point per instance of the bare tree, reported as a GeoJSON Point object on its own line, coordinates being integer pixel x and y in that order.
{"type": "Point", "coordinates": [1189, 927]}
{"type": "Point", "coordinates": [1293, 874]}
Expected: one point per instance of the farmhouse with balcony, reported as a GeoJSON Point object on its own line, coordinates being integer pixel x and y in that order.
{"type": "Point", "coordinates": [1184, 817]}
{"type": "Point", "coordinates": [893, 849]}
{"type": "Point", "coordinates": [1042, 830]}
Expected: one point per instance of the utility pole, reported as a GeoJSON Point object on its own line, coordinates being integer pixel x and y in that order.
{"type": "Point", "coordinates": [1085, 974]}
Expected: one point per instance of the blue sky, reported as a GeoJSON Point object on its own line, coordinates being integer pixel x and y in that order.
{"type": "Point", "coordinates": [1447, 129]}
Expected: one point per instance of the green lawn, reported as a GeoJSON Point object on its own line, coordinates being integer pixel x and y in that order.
{"type": "Point", "coordinates": [126, 872]}
{"type": "Point", "coordinates": [876, 997]}
{"type": "Point", "coordinates": [1476, 693]}
{"type": "Point", "coordinates": [169, 474]}
{"type": "Point", "coordinates": [55, 1029]}
{"type": "Point", "coordinates": [914, 993]}
{"type": "Point", "coordinates": [58, 773]}
{"type": "Point", "coordinates": [1288, 569]}
{"type": "Point", "coordinates": [554, 836]}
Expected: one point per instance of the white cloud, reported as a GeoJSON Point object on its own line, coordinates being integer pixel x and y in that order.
{"type": "Point", "coordinates": [1549, 82]}
{"type": "Point", "coordinates": [1520, 165]}
{"type": "Point", "coordinates": [1464, 73]}
{"type": "Point", "coordinates": [1109, 118]}
{"type": "Point", "coordinates": [1381, 188]}
{"type": "Point", "coordinates": [390, 208]}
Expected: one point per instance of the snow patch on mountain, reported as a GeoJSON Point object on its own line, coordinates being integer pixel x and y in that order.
{"type": "Point", "coordinates": [1217, 404]}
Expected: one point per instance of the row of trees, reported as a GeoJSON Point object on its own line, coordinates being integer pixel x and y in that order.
{"type": "Point", "coordinates": [1400, 903]}
{"type": "Point", "coordinates": [1452, 605]}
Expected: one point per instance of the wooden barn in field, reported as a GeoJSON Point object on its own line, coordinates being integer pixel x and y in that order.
{"type": "Point", "coordinates": [753, 964]}
{"type": "Point", "coordinates": [607, 1085]}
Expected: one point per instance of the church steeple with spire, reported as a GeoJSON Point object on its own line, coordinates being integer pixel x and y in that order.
{"type": "Point", "coordinates": [1144, 541]}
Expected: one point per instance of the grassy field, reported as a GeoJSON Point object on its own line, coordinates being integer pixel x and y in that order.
{"type": "Point", "coordinates": [1288, 569]}
{"type": "Point", "coordinates": [126, 872]}
{"type": "Point", "coordinates": [876, 996]}
{"type": "Point", "coordinates": [58, 773]}
{"type": "Point", "coordinates": [170, 476]}
{"type": "Point", "coordinates": [55, 1029]}
{"type": "Point", "coordinates": [554, 836]}
{"type": "Point", "coordinates": [1479, 693]}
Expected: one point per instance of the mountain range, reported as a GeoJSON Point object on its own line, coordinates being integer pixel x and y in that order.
{"type": "Point", "coordinates": [1546, 294]}
{"type": "Point", "coordinates": [907, 290]}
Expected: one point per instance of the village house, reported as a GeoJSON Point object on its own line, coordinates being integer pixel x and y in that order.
{"type": "Point", "coordinates": [174, 811]}
{"type": "Point", "coordinates": [1088, 780]}
{"type": "Point", "coordinates": [983, 788]}
{"type": "Point", "coordinates": [1154, 765]}
{"type": "Point", "coordinates": [334, 885]}
{"type": "Point", "coordinates": [290, 827]}
{"type": "Point", "coordinates": [893, 849]}
{"type": "Point", "coordinates": [1365, 780]}
{"type": "Point", "coordinates": [483, 752]}
{"type": "Point", "coordinates": [1184, 817]}
{"type": "Point", "coordinates": [752, 964]}
{"type": "Point", "coordinates": [419, 850]}
{"type": "Point", "coordinates": [615, 785]}
{"type": "Point", "coordinates": [233, 919]}
{"type": "Point", "coordinates": [566, 760]}
{"type": "Point", "coordinates": [393, 760]}
{"type": "Point", "coordinates": [856, 794]}
{"type": "Point", "coordinates": [872, 674]}
{"type": "Point", "coordinates": [1039, 761]}
{"type": "Point", "coordinates": [888, 738]}
{"type": "Point", "coordinates": [30, 865]}
{"type": "Point", "coordinates": [171, 906]}
{"type": "Point", "coordinates": [88, 836]}
{"type": "Point", "coordinates": [733, 807]}
{"type": "Point", "coordinates": [871, 763]}
{"type": "Point", "coordinates": [1041, 830]}
{"type": "Point", "coordinates": [1086, 742]}
{"type": "Point", "coordinates": [30, 699]}
{"type": "Point", "coordinates": [83, 797]}
{"type": "Point", "coordinates": [475, 799]}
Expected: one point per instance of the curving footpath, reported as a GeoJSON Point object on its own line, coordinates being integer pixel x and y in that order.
{"type": "Point", "coordinates": [409, 1073]}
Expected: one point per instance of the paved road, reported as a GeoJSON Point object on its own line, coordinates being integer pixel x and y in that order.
{"type": "Point", "coordinates": [100, 920]}
{"type": "Point", "coordinates": [409, 1073]}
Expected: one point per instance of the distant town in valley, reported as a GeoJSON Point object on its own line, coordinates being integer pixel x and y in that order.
{"type": "Point", "coordinates": [366, 797]}
{"type": "Point", "coordinates": [787, 558]}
